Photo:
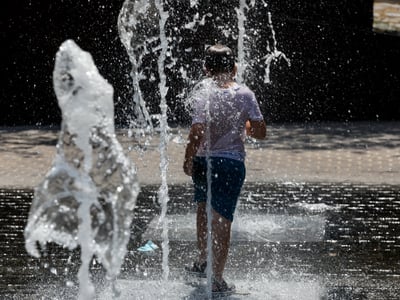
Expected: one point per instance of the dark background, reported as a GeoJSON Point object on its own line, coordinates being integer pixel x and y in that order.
{"type": "Point", "coordinates": [341, 70]}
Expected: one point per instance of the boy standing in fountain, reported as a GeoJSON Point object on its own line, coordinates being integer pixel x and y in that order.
{"type": "Point", "coordinates": [222, 114]}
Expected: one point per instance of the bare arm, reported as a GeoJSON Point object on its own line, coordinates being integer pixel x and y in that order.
{"type": "Point", "coordinates": [195, 136]}
{"type": "Point", "coordinates": [256, 129]}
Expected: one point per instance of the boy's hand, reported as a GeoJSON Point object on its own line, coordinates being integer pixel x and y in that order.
{"type": "Point", "coordinates": [256, 129]}
{"type": "Point", "coordinates": [188, 166]}
{"type": "Point", "coordinates": [248, 128]}
{"type": "Point", "coordinates": [195, 136]}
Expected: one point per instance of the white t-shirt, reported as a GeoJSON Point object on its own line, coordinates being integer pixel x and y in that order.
{"type": "Point", "coordinates": [229, 109]}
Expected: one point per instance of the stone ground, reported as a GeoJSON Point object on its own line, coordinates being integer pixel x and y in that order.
{"type": "Point", "coordinates": [387, 16]}
{"type": "Point", "coordinates": [363, 152]}
{"type": "Point", "coordinates": [318, 218]}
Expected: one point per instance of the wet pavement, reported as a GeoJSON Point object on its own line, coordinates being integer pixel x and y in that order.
{"type": "Point", "coordinates": [326, 227]}
{"type": "Point", "coordinates": [312, 241]}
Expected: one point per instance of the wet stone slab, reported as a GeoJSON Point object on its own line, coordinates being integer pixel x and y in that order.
{"type": "Point", "coordinates": [290, 241]}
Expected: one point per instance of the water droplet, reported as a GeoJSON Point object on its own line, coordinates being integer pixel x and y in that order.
{"type": "Point", "coordinates": [69, 283]}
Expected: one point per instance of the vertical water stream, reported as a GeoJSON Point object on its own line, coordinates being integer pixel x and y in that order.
{"type": "Point", "coordinates": [163, 192]}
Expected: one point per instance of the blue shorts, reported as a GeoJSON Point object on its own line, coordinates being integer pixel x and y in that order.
{"type": "Point", "coordinates": [227, 177]}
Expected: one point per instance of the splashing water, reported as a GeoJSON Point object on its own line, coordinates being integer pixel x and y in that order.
{"type": "Point", "coordinates": [142, 30]}
{"type": "Point", "coordinates": [137, 46]}
{"type": "Point", "coordinates": [88, 196]}
{"type": "Point", "coordinates": [191, 25]}
{"type": "Point", "coordinates": [274, 55]}
{"type": "Point", "coordinates": [241, 17]}
{"type": "Point", "coordinates": [163, 35]}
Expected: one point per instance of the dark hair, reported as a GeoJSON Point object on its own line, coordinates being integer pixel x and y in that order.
{"type": "Point", "coordinates": [219, 59]}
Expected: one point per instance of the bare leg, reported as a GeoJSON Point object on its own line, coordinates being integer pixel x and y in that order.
{"type": "Point", "coordinates": [202, 231]}
{"type": "Point", "coordinates": [221, 229]}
